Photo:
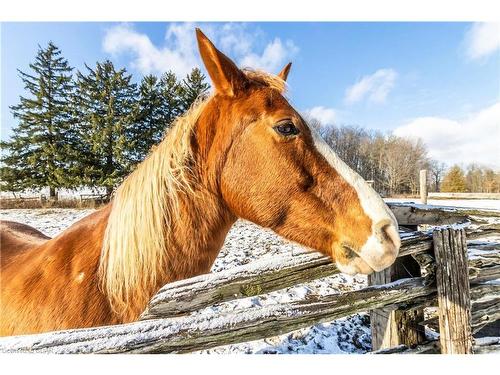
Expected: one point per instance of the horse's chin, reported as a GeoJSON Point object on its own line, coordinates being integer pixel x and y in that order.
{"type": "Point", "coordinates": [349, 262]}
{"type": "Point", "coordinates": [354, 266]}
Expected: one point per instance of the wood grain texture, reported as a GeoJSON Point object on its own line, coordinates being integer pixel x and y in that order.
{"type": "Point", "coordinates": [485, 306]}
{"type": "Point", "coordinates": [453, 289]}
{"type": "Point", "coordinates": [259, 277]}
{"type": "Point", "coordinates": [188, 333]}
{"type": "Point", "coordinates": [434, 347]}
{"type": "Point", "coordinates": [423, 186]}
{"type": "Point", "coordinates": [191, 333]}
{"type": "Point", "coordinates": [417, 214]}
{"type": "Point", "coordinates": [390, 327]}
{"type": "Point", "coordinates": [185, 296]}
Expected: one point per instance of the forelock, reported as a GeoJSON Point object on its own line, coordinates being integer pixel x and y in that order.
{"type": "Point", "coordinates": [266, 79]}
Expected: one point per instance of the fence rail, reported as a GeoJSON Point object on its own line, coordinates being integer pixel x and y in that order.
{"type": "Point", "coordinates": [166, 325]}
{"type": "Point", "coordinates": [40, 198]}
{"type": "Point", "coordinates": [98, 198]}
{"type": "Point", "coordinates": [464, 195]}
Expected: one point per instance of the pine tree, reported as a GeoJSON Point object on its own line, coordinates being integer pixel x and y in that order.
{"type": "Point", "coordinates": [171, 96]}
{"type": "Point", "coordinates": [104, 103]}
{"type": "Point", "coordinates": [192, 87]}
{"type": "Point", "coordinates": [157, 107]}
{"type": "Point", "coordinates": [454, 181]}
{"type": "Point", "coordinates": [148, 116]}
{"type": "Point", "coordinates": [37, 154]}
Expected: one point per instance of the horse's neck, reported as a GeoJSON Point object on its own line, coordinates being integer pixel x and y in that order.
{"type": "Point", "coordinates": [198, 236]}
{"type": "Point", "coordinates": [195, 241]}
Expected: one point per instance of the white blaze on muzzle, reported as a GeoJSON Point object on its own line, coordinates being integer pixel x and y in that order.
{"type": "Point", "coordinates": [382, 247]}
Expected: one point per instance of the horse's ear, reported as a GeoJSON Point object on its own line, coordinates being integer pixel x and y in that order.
{"type": "Point", "coordinates": [226, 76]}
{"type": "Point", "coordinates": [284, 72]}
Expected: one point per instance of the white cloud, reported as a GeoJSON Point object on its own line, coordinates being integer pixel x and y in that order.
{"type": "Point", "coordinates": [327, 116]}
{"type": "Point", "coordinates": [475, 139]}
{"type": "Point", "coordinates": [272, 58]}
{"type": "Point", "coordinates": [179, 51]}
{"type": "Point", "coordinates": [179, 56]}
{"type": "Point", "coordinates": [482, 39]}
{"type": "Point", "coordinates": [233, 37]}
{"type": "Point", "coordinates": [374, 87]}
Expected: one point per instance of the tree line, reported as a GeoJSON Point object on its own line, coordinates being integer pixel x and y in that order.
{"type": "Point", "coordinates": [393, 163]}
{"type": "Point", "coordinates": [475, 178]}
{"type": "Point", "coordinates": [91, 127]}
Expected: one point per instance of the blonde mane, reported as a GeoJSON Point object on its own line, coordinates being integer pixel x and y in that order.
{"type": "Point", "coordinates": [143, 209]}
{"type": "Point", "coordinates": [135, 244]}
{"type": "Point", "coordinates": [266, 79]}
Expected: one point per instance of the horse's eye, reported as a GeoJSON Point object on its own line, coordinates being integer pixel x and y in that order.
{"type": "Point", "coordinates": [286, 129]}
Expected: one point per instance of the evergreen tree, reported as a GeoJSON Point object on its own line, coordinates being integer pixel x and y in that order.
{"type": "Point", "coordinates": [38, 152]}
{"type": "Point", "coordinates": [454, 181]}
{"type": "Point", "coordinates": [157, 107]}
{"type": "Point", "coordinates": [160, 102]}
{"type": "Point", "coordinates": [171, 96]}
{"type": "Point", "coordinates": [148, 124]}
{"type": "Point", "coordinates": [104, 104]}
{"type": "Point", "coordinates": [192, 87]}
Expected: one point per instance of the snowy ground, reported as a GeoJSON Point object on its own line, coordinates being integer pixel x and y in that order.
{"type": "Point", "coordinates": [476, 203]}
{"type": "Point", "coordinates": [245, 243]}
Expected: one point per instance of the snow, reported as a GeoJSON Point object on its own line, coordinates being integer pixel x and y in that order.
{"type": "Point", "coordinates": [471, 203]}
{"type": "Point", "coordinates": [248, 243]}
{"type": "Point", "coordinates": [49, 221]}
{"type": "Point", "coordinates": [62, 193]}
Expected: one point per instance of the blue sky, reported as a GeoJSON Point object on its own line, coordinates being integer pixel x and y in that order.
{"type": "Point", "coordinates": [436, 81]}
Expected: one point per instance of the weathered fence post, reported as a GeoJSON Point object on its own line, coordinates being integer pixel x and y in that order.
{"type": "Point", "coordinates": [452, 279]}
{"type": "Point", "coordinates": [423, 186]}
{"type": "Point", "coordinates": [392, 327]}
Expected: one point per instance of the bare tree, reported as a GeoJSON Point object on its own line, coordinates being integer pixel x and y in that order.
{"type": "Point", "coordinates": [491, 181]}
{"type": "Point", "coordinates": [391, 162]}
{"type": "Point", "coordinates": [437, 170]}
{"type": "Point", "coordinates": [481, 179]}
{"type": "Point", "coordinates": [475, 178]}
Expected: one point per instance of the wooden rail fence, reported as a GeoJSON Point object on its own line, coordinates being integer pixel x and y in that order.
{"type": "Point", "coordinates": [97, 198]}
{"type": "Point", "coordinates": [40, 198]}
{"type": "Point", "coordinates": [437, 272]}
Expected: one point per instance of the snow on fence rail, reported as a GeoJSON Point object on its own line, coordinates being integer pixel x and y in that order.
{"type": "Point", "coordinates": [464, 195]}
{"type": "Point", "coordinates": [40, 198]}
{"type": "Point", "coordinates": [166, 326]}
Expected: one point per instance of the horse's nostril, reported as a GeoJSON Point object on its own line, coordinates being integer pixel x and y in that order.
{"type": "Point", "coordinates": [387, 232]}
{"type": "Point", "coordinates": [382, 248]}
{"type": "Point", "coordinates": [382, 234]}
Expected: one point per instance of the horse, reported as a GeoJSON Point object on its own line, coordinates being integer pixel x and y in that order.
{"type": "Point", "coordinates": [243, 152]}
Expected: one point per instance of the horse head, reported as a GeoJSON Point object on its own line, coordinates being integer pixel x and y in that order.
{"type": "Point", "coordinates": [274, 170]}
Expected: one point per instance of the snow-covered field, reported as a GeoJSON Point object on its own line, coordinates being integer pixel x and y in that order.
{"type": "Point", "coordinates": [246, 243]}
{"type": "Point", "coordinates": [476, 203]}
